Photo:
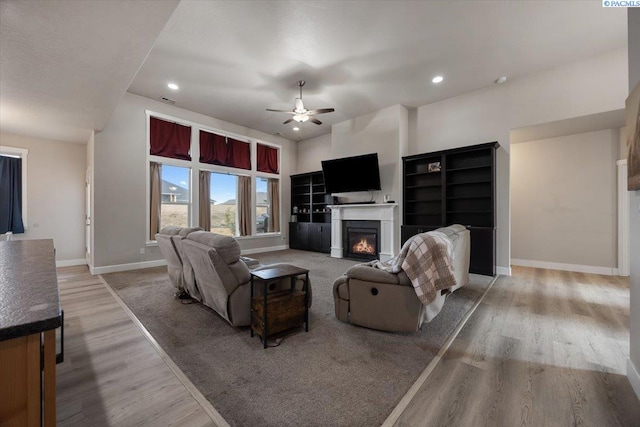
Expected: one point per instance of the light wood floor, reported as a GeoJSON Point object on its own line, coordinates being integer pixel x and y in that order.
{"type": "Point", "coordinates": [544, 348]}
{"type": "Point", "coordinates": [112, 375]}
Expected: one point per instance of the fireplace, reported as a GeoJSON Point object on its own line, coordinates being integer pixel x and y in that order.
{"type": "Point", "coordinates": [361, 239]}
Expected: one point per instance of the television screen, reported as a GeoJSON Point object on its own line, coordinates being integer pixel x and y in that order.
{"type": "Point", "coordinates": [359, 173]}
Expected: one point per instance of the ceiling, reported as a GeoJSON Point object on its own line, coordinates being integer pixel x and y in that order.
{"type": "Point", "coordinates": [232, 60]}
{"type": "Point", "coordinates": [64, 65]}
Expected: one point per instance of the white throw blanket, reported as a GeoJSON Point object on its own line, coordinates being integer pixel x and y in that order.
{"type": "Point", "coordinates": [427, 259]}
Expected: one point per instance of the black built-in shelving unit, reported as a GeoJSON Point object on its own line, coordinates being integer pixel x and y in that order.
{"type": "Point", "coordinates": [460, 191]}
{"type": "Point", "coordinates": [312, 230]}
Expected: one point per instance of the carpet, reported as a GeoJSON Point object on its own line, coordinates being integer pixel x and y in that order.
{"type": "Point", "coordinates": [337, 374]}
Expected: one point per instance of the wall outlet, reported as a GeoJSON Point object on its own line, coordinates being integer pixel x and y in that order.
{"type": "Point", "coordinates": [141, 251]}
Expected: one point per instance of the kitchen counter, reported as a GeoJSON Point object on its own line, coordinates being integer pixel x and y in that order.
{"type": "Point", "coordinates": [29, 300]}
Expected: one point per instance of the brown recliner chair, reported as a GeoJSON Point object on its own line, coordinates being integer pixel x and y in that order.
{"type": "Point", "coordinates": [222, 278]}
{"type": "Point", "coordinates": [169, 239]}
{"type": "Point", "coordinates": [376, 299]}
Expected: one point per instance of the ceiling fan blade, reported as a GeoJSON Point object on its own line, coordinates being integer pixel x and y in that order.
{"type": "Point", "coordinates": [314, 120]}
{"type": "Point", "coordinates": [287, 121]}
{"type": "Point", "coordinates": [281, 111]}
{"type": "Point", "coordinates": [321, 111]}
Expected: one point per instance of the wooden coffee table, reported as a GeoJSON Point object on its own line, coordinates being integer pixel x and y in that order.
{"type": "Point", "coordinates": [279, 311]}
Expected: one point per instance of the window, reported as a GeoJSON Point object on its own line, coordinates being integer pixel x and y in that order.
{"type": "Point", "coordinates": [267, 205]}
{"type": "Point", "coordinates": [224, 204]}
{"type": "Point", "coordinates": [175, 203]}
{"type": "Point", "coordinates": [262, 205]}
{"type": "Point", "coordinates": [13, 189]}
{"type": "Point", "coordinates": [199, 176]}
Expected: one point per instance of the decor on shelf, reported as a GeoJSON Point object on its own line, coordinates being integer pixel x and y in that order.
{"type": "Point", "coordinates": [434, 167]}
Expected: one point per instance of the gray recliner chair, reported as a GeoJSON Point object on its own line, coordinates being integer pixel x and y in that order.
{"type": "Point", "coordinates": [169, 240]}
{"type": "Point", "coordinates": [376, 299]}
{"type": "Point", "coordinates": [222, 278]}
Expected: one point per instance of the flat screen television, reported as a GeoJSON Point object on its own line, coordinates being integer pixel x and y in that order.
{"type": "Point", "coordinates": [348, 174]}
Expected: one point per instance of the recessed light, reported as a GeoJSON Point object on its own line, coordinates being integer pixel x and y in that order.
{"type": "Point", "coordinates": [500, 80]}
{"type": "Point", "coordinates": [437, 79]}
{"type": "Point", "coordinates": [296, 128]}
{"type": "Point", "coordinates": [173, 86]}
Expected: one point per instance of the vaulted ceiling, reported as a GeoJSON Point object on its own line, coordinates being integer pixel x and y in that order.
{"type": "Point", "coordinates": [69, 62]}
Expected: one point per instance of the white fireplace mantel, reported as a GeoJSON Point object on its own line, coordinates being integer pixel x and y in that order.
{"type": "Point", "coordinates": [386, 213]}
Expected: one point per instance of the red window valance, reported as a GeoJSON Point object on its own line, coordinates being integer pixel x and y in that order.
{"type": "Point", "coordinates": [267, 159]}
{"type": "Point", "coordinates": [238, 154]}
{"type": "Point", "coordinates": [169, 139]}
{"type": "Point", "coordinates": [213, 148]}
{"type": "Point", "coordinates": [219, 150]}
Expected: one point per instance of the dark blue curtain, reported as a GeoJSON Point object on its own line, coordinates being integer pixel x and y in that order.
{"type": "Point", "coordinates": [11, 195]}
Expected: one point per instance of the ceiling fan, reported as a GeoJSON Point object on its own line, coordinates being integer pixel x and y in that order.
{"type": "Point", "coordinates": [301, 114]}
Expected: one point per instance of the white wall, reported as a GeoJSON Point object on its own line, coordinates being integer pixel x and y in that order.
{"type": "Point", "coordinates": [311, 152]}
{"type": "Point", "coordinates": [55, 193]}
{"type": "Point", "coordinates": [563, 200]}
{"type": "Point", "coordinates": [120, 181]}
{"type": "Point", "coordinates": [90, 171]}
{"type": "Point", "coordinates": [634, 212]}
{"type": "Point", "coordinates": [383, 132]}
{"type": "Point", "coordinates": [578, 89]}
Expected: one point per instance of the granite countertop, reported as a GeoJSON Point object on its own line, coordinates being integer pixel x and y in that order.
{"type": "Point", "coordinates": [29, 300]}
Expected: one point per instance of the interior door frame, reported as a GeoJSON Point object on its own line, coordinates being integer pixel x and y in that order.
{"type": "Point", "coordinates": [623, 220]}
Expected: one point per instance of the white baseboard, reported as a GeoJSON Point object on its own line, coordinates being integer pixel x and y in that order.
{"type": "Point", "coordinates": [607, 271]}
{"type": "Point", "coordinates": [634, 377]}
{"type": "Point", "coordinates": [126, 267]}
{"type": "Point", "coordinates": [71, 262]}
{"type": "Point", "coordinates": [266, 249]}
{"type": "Point", "coordinates": [503, 271]}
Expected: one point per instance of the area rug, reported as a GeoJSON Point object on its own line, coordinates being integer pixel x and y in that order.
{"type": "Point", "coordinates": [337, 374]}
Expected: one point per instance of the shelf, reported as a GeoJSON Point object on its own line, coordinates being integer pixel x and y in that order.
{"type": "Point", "coordinates": [488, 181]}
{"type": "Point", "coordinates": [469, 168]}
{"type": "Point", "coordinates": [422, 173]}
{"type": "Point", "coordinates": [424, 186]}
{"type": "Point", "coordinates": [463, 191]}
{"type": "Point", "coordinates": [467, 197]}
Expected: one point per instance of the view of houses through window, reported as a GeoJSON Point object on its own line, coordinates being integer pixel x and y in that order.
{"type": "Point", "coordinates": [262, 205]}
{"type": "Point", "coordinates": [171, 168]}
{"type": "Point", "coordinates": [176, 201]}
{"type": "Point", "coordinates": [224, 203]}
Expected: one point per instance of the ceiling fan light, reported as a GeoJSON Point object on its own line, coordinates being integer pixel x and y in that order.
{"type": "Point", "coordinates": [300, 118]}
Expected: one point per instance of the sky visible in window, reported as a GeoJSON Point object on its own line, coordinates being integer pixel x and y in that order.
{"type": "Point", "coordinates": [223, 186]}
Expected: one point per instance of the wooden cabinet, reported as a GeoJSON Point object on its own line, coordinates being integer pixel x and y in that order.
{"type": "Point", "coordinates": [279, 311]}
{"type": "Point", "coordinates": [309, 205]}
{"type": "Point", "coordinates": [310, 236]}
{"type": "Point", "coordinates": [28, 319]}
{"type": "Point", "coordinates": [454, 187]}
{"type": "Point", "coordinates": [298, 235]}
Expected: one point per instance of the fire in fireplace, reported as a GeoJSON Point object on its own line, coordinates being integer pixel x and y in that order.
{"type": "Point", "coordinates": [364, 246]}
{"type": "Point", "coordinates": [361, 239]}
